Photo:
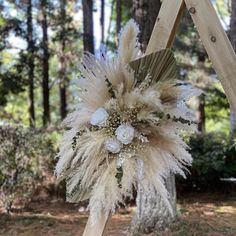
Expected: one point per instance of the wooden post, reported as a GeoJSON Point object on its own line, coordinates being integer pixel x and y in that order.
{"type": "Point", "coordinates": [96, 229]}
{"type": "Point", "coordinates": [166, 25]}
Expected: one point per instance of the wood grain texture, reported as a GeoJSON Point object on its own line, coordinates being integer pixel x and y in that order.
{"type": "Point", "coordinates": [216, 43]}
{"type": "Point", "coordinates": [166, 25]}
{"type": "Point", "coordinates": [98, 228]}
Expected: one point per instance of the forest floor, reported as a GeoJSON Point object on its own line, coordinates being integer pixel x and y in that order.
{"type": "Point", "coordinates": [200, 215]}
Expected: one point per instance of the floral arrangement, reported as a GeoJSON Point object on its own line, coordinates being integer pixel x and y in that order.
{"type": "Point", "coordinates": [126, 128]}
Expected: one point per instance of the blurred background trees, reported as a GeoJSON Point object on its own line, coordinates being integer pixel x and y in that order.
{"type": "Point", "coordinates": [41, 44]}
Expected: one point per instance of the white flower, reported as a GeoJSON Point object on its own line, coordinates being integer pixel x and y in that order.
{"type": "Point", "coordinates": [125, 133]}
{"type": "Point", "coordinates": [99, 117]}
{"type": "Point", "coordinates": [112, 145]}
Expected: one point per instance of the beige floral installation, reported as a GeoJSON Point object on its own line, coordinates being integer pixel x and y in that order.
{"type": "Point", "coordinates": [130, 117]}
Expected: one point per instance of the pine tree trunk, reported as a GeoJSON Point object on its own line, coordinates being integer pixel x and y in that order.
{"type": "Point", "coordinates": [201, 114]}
{"type": "Point", "coordinates": [145, 13]}
{"type": "Point", "coordinates": [31, 48]}
{"type": "Point", "coordinates": [110, 23]}
{"type": "Point", "coordinates": [45, 82]}
{"type": "Point", "coordinates": [118, 16]}
{"type": "Point", "coordinates": [88, 37]}
{"type": "Point", "coordinates": [102, 21]}
{"type": "Point", "coordinates": [62, 61]}
{"type": "Point", "coordinates": [152, 214]}
{"type": "Point", "coordinates": [233, 25]}
{"type": "Point", "coordinates": [233, 41]}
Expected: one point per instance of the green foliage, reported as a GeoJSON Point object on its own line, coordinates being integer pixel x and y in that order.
{"type": "Point", "coordinates": [11, 78]}
{"type": "Point", "coordinates": [196, 68]}
{"type": "Point", "coordinates": [223, 8]}
{"type": "Point", "coordinates": [24, 155]}
{"type": "Point", "coordinates": [213, 158]}
{"type": "Point", "coordinates": [8, 25]}
{"type": "Point", "coordinates": [217, 110]}
{"type": "Point", "coordinates": [11, 81]}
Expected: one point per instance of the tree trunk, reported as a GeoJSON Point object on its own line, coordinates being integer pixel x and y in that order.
{"type": "Point", "coordinates": [102, 21]}
{"type": "Point", "coordinates": [30, 49]}
{"type": "Point", "coordinates": [233, 41]}
{"type": "Point", "coordinates": [145, 13]}
{"type": "Point", "coordinates": [45, 82]}
{"type": "Point", "coordinates": [118, 16]}
{"type": "Point", "coordinates": [110, 24]}
{"type": "Point", "coordinates": [152, 215]}
{"type": "Point", "coordinates": [233, 25]}
{"type": "Point", "coordinates": [88, 37]}
{"type": "Point", "coordinates": [62, 61]}
{"type": "Point", "coordinates": [201, 114]}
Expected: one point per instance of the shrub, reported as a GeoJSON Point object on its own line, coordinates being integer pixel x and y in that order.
{"type": "Point", "coordinates": [213, 158]}
{"type": "Point", "coordinates": [22, 154]}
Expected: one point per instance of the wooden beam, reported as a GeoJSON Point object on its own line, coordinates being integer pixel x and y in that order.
{"type": "Point", "coordinates": [98, 228]}
{"type": "Point", "coordinates": [166, 25]}
{"type": "Point", "coordinates": [216, 43]}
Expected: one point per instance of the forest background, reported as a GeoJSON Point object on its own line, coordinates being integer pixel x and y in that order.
{"type": "Point", "coordinates": [41, 45]}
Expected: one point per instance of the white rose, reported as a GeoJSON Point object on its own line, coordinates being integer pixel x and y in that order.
{"type": "Point", "coordinates": [99, 117]}
{"type": "Point", "coordinates": [125, 133]}
{"type": "Point", "coordinates": [112, 145]}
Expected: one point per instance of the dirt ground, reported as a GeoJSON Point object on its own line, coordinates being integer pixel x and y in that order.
{"type": "Point", "coordinates": [199, 215]}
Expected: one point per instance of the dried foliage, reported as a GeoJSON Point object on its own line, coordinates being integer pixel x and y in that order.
{"type": "Point", "coordinates": [126, 129]}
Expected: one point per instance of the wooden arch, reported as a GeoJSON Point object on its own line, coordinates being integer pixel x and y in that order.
{"type": "Point", "coordinates": [215, 41]}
